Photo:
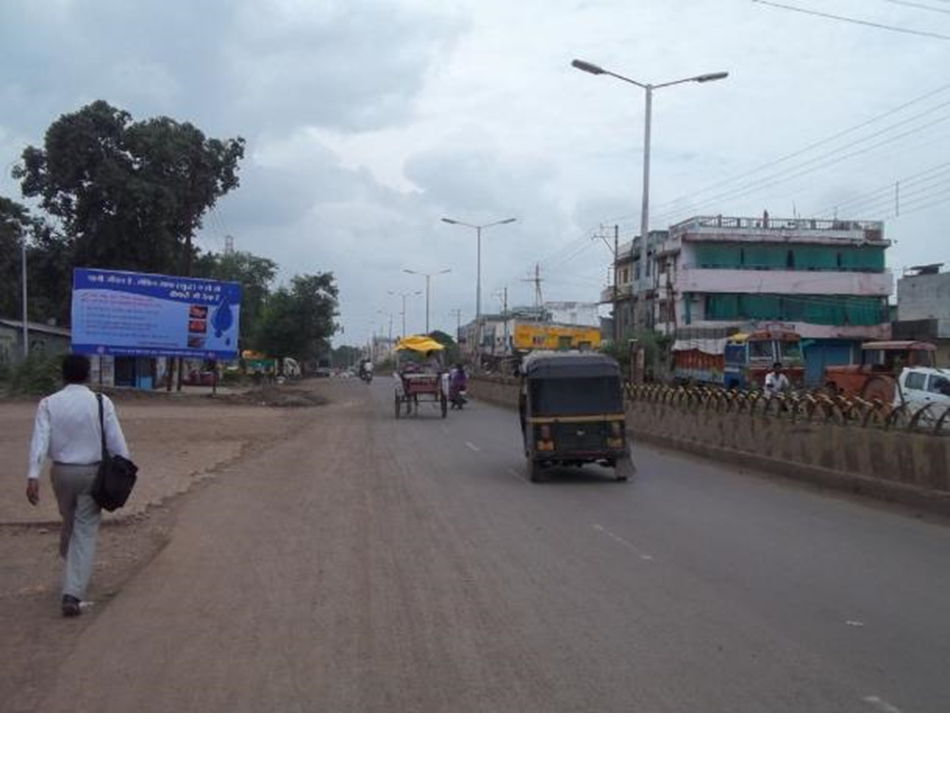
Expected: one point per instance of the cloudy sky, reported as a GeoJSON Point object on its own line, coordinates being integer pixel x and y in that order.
{"type": "Point", "coordinates": [367, 121]}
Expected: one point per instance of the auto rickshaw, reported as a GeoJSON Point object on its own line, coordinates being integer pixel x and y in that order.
{"type": "Point", "coordinates": [572, 413]}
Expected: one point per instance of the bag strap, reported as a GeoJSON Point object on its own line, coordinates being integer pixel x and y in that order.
{"type": "Point", "coordinates": [102, 428]}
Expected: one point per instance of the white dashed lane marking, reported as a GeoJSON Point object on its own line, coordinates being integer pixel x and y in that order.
{"type": "Point", "coordinates": [473, 447]}
{"type": "Point", "coordinates": [644, 556]}
{"type": "Point", "coordinates": [880, 704]}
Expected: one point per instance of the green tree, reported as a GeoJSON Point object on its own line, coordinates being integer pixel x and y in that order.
{"type": "Point", "coordinates": [345, 356]}
{"type": "Point", "coordinates": [49, 274]}
{"type": "Point", "coordinates": [451, 347]}
{"type": "Point", "coordinates": [14, 219]}
{"type": "Point", "coordinates": [128, 194]}
{"type": "Point", "coordinates": [298, 320]}
{"type": "Point", "coordinates": [255, 274]}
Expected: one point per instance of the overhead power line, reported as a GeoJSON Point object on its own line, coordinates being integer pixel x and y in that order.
{"type": "Point", "coordinates": [773, 180]}
{"type": "Point", "coordinates": [684, 200]}
{"type": "Point", "coordinates": [862, 200]}
{"type": "Point", "coordinates": [922, 6]}
{"type": "Point", "coordinates": [850, 20]}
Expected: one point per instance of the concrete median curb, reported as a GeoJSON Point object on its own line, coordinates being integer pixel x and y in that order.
{"type": "Point", "coordinates": [827, 454]}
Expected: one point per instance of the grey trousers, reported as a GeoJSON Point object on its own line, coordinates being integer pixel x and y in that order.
{"type": "Point", "coordinates": [72, 486]}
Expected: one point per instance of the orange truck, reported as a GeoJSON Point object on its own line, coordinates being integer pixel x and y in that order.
{"type": "Point", "coordinates": [876, 377]}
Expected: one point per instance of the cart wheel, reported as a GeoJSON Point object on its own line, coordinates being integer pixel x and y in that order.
{"type": "Point", "coordinates": [445, 406]}
{"type": "Point", "coordinates": [398, 406]}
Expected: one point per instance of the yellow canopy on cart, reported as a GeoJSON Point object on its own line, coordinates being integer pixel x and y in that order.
{"type": "Point", "coordinates": [421, 344]}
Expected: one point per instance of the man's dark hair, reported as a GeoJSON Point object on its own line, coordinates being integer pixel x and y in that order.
{"type": "Point", "coordinates": [75, 369]}
{"type": "Point", "coordinates": [776, 366]}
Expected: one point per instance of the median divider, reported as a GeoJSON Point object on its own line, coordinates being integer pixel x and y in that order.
{"type": "Point", "coordinates": [839, 443]}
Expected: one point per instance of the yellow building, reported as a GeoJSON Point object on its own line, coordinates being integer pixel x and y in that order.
{"type": "Point", "coordinates": [533, 336]}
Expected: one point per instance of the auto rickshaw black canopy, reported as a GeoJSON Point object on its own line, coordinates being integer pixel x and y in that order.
{"type": "Point", "coordinates": [570, 365]}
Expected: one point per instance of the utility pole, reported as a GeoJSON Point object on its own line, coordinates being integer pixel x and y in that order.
{"type": "Point", "coordinates": [26, 328]}
{"type": "Point", "coordinates": [457, 314]}
{"type": "Point", "coordinates": [536, 280]}
{"type": "Point", "coordinates": [615, 251]}
{"type": "Point", "coordinates": [229, 244]}
{"type": "Point", "coordinates": [504, 318]}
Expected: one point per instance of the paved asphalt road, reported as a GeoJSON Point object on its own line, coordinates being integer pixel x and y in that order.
{"type": "Point", "coordinates": [374, 564]}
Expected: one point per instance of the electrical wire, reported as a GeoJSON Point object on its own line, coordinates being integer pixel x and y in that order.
{"type": "Point", "coordinates": [922, 6]}
{"type": "Point", "coordinates": [778, 180]}
{"type": "Point", "coordinates": [805, 149]}
{"type": "Point", "coordinates": [851, 20]}
{"type": "Point", "coordinates": [832, 157]}
{"type": "Point", "coordinates": [863, 198]}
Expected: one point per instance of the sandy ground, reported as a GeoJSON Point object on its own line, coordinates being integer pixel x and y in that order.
{"type": "Point", "coordinates": [178, 442]}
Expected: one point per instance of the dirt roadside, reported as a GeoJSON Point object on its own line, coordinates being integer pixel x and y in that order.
{"type": "Point", "coordinates": [181, 443]}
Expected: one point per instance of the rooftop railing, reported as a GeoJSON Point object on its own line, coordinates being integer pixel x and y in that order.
{"type": "Point", "coordinates": [871, 230]}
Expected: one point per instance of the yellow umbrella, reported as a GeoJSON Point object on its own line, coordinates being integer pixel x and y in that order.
{"type": "Point", "coordinates": [421, 344]}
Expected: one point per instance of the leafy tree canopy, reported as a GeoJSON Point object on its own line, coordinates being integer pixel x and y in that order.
{"type": "Point", "coordinates": [298, 320]}
{"type": "Point", "coordinates": [49, 278]}
{"type": "Point", "coordinates": [128, 194]}
{"type": "Point", "coordinates": [255, 274]}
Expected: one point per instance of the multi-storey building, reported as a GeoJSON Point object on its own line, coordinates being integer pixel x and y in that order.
{"type": "Point", "coordinates": [923, 309]}
{"type": "Point", "coordinates": [823, 279]}
{"type": "Point", "coordinates": [632, 287]}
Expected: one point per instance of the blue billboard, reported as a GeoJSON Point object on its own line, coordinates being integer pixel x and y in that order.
{"type": "Point", "coordinates": [127, 313]}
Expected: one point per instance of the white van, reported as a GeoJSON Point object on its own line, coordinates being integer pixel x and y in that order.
{"type": "Point", "coordinates": [920, 386]}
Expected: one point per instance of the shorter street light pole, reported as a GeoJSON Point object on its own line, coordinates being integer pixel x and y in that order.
{"type": "Point", "coordinates": [478, 265]}
{"type": "Point", "coordinates": [404, 294]}
{"type": "Point", "coordinates": [428, 277]}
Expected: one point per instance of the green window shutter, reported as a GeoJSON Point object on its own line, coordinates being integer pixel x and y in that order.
{"type": "Point", "coordinates": [866, 259]}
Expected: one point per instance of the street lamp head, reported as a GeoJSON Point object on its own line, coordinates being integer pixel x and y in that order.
{"type": "Point", "coordinates": [443, 272]}
{"type": "Point", "coordinates": [510, 219]}
{"type": "Point", "coordinates": [585, 66]}
{"type": "Point", "coordinates": [450, 221]}
{"type": "Point", "coordinates": [411, 272]}
{"type": "Point", "coordinates": [713, 76]}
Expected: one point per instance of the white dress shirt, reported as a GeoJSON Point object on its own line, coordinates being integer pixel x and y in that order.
{"type": "Point", "coordinates": [67, 429]}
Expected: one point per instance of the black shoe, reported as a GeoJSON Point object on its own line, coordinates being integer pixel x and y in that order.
{"type": "Point", "coordinates": [71, 606]}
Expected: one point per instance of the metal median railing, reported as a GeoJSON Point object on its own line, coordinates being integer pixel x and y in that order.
{"type": "Point", "coordinates": [811, 407]}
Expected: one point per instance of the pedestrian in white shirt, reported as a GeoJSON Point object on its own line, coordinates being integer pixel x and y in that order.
{"type": "Point", "coordinates": [776, 382]}
{"type": "Point", "coordinates": [67, 431]}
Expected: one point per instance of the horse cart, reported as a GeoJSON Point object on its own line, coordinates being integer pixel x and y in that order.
{"type": "Point", "coordinates": [419, 382]}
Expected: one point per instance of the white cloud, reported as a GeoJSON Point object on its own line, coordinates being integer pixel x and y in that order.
{"type": "Point", "coordinates": [368, 121]}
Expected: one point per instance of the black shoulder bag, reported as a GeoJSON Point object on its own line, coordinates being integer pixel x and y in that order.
{"type": "Point", "coordinates": [116, 476]}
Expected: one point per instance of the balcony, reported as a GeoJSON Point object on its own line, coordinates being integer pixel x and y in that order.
{"type": "Point", "coordinates": [829, 282]}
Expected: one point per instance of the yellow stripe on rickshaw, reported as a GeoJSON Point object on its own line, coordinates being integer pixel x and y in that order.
{"type": "Point", "coordinates": [577, 418]}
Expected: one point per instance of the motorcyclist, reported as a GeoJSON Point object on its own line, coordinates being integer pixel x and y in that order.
{"type": "Point", "coordinates": [458, 383]}
{"type": "Point", "coordinates": [366, 370]}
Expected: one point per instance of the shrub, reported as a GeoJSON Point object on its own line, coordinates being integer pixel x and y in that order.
{"type": "Point", "coordinates": [38, 374]}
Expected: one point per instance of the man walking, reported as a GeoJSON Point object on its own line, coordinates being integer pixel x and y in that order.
{"type": "Point", "coordinates": [67, 431]}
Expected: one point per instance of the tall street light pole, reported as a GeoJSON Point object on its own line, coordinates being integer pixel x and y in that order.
{"type": "Point", "coordinates": [404, 294]}
{"type": "Point", "coordinates": [648, 92]}
{"type": "Point", "coordinates": [428, 277]}
{"type": "Point", "coordinates": [478, 264]}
